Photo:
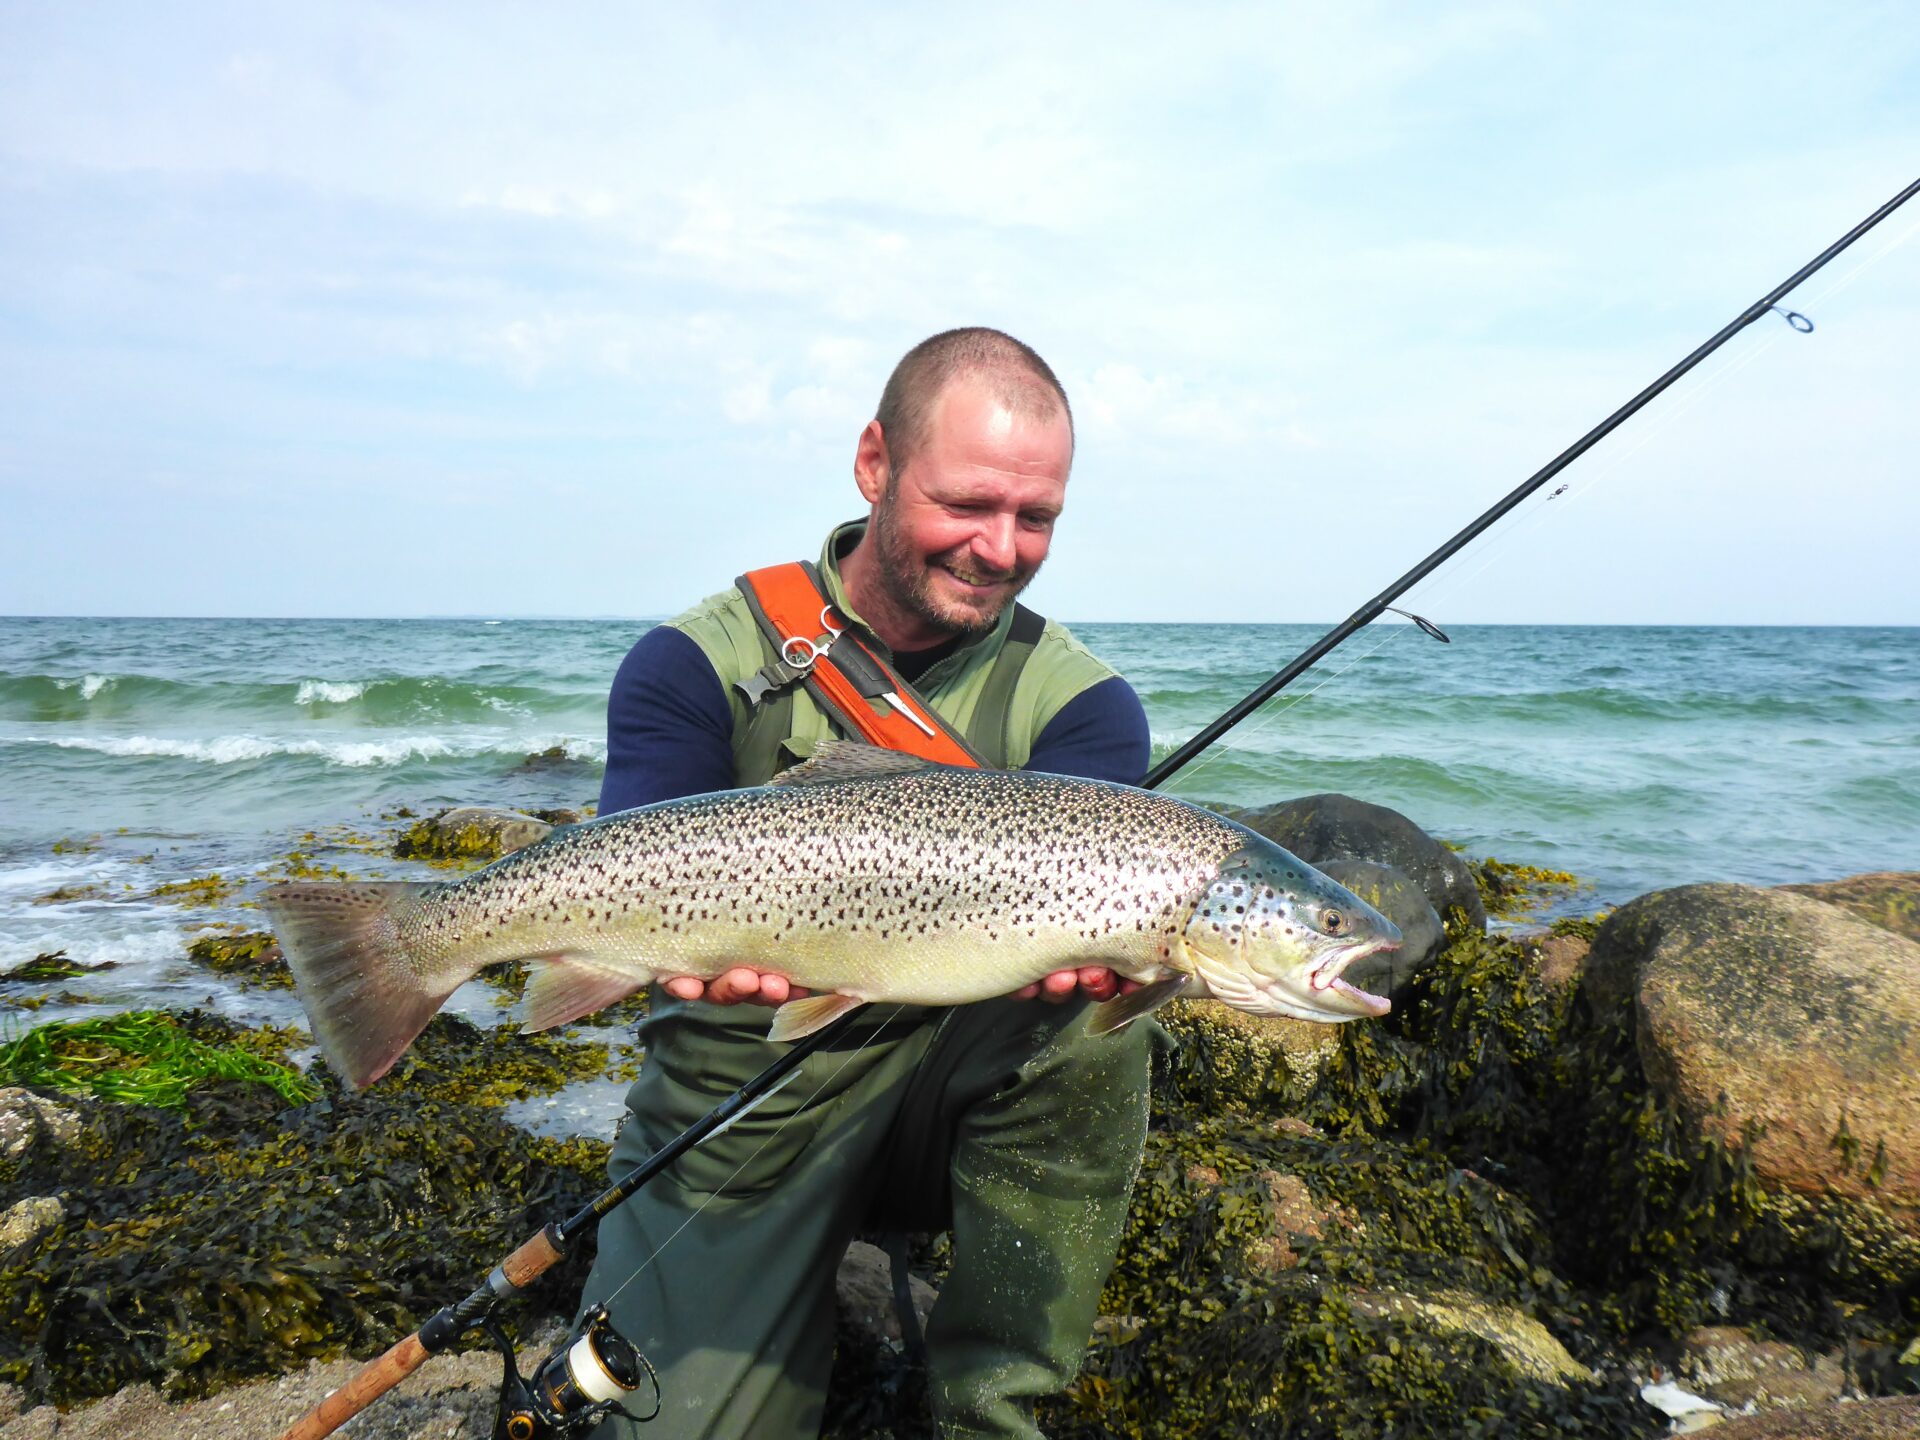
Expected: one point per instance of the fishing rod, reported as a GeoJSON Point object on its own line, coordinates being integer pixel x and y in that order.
{"type": "Point", "coordinates": [595, 1368]}
{"type": "Point", "coordinates": [1383, 602]}
{"type": "Point", "coordinates": [588, 1376]}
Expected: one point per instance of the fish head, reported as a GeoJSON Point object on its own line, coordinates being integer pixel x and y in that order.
{"type": "Point", "coordinates": [1270, 935]}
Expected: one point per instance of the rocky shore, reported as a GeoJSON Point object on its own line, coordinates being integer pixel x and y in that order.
{"type": "Point", "coordinates": [1657, 1168]}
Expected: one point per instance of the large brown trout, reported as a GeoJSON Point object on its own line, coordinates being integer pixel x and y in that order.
{"type": "Point", "coordinates": [864, 875]}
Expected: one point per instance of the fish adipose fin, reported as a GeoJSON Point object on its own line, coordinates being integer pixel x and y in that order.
{"type": "Point", "coordinates": [852, 760]}
{"type": "Point", "coordinates": [365, 1000]}
{"type": "Point", "coordinates": [1110, 1015]}
{"type": "Point", "coordinates": [563, 988]}
{"type": "Point", "coordinates": [799, 1018]}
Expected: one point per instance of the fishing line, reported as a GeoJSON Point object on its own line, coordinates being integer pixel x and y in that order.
{"type": "Point", "coordinates": [1579, 489]}
{"type": "Point", "coordinates": [772, 1135]}
{"type": "Point", "coordinates": [1271, 715]}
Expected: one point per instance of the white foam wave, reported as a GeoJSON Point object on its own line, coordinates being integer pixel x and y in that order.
{"type": "Point", "coordinates": [237, 749]}
{"type": "Point", "coordinates": [330, 692]}
{"type": "Point", "coordinates": [90, 685]}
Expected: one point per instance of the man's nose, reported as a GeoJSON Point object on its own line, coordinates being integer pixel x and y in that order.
{"type": "Point", "coordinates": [993, 544]}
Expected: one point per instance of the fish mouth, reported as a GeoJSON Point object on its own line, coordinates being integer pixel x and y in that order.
{"type": "Point", "coordinates": [1325, 979]}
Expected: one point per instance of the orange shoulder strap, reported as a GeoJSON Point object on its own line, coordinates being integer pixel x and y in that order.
{"type": "Point", "coordinates": [815, 644]}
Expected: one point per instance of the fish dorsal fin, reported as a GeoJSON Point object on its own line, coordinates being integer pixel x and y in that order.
{"type": "Point", "coordinates": [852, 760]}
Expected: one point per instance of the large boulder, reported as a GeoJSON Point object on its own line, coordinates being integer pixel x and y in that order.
{"type": "Point", "coordinates": [1766, 1014]}
{"type": "Point", "coordinates": [1319, 828]}
{"type": "Point", "coordinates": [1396, 895]}
{"type": "Point", "coordinates": [1889, 899]}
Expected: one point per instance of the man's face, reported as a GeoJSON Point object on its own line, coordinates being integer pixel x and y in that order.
{"type": "Point", "coordinates": [965, 524]}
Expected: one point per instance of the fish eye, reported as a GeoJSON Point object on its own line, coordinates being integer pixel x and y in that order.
{"type": "Point", "coordinates": [1331, 919]}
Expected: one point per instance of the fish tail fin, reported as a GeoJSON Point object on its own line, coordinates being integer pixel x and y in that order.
{"type": "Point", "coordinates": [366, 998]}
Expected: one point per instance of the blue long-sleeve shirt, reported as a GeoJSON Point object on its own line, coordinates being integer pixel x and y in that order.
{"type": "Point", "coordinates": [670, 729]}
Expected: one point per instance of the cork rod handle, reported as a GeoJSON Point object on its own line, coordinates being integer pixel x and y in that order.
{"type": "Point", "coordinates": [374, 1379]}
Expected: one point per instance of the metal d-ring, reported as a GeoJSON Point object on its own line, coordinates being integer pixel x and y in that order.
{"type": "Point", "coordinates": [800, 652]}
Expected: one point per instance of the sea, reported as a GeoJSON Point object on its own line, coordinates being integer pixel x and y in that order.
{"type": "Point", "coordinates": [138, 754]}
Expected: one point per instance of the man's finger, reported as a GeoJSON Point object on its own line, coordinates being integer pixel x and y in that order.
{"type": "Point", "coordinates": [685, 987]}
{"type": "Point", "coordinates": [1097, 982]}
{"type": "Point", "coordinates": [1059, 985]}
{"type": "Point", "coordinates": [732, 986]}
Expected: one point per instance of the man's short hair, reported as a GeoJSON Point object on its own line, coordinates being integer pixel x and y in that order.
{"type": "Point", "coordinates": [1021, 381]}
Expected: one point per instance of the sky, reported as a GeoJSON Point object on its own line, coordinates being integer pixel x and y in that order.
{"type": "Point", "coordinates": [355, 310]}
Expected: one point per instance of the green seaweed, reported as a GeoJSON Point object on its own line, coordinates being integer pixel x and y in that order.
{"type": "Point", "coordinates": [68, 894]}
{"type": "Point", "coordinates": [240, 1239]}
{"type": "Point", "coordinates": [429, 841]}
{"type": "Point", "coordinates": [252, 956]}
{"type": "Point", "coordinates": [457, 1061]}
{"type": "Point", "coordinates": [50, 965]}
{"type": "Point", "coordinates": [1509, 891]}
{"type": "Point", "coordinates": [143, 1057]}
{"type": "Point", "coordinates": [203, 890]}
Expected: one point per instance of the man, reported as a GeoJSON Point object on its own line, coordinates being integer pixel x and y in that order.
{"type": "Point", "coordinates": [1003, 1120]}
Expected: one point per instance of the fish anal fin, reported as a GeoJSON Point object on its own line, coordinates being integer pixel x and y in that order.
{"type": "Point", "coordinates": [799, 1018]}
{"type": "Point", "coordinates": [1110, 1015]}
{"type": "Point", "coordinates": [562, 988]}
{"type": "Point", "coordinates": [852, 760]}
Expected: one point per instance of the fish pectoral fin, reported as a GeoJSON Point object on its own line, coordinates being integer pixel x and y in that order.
{"type": "Point", "coordinates": [562, 988]}
{"type": "Point", "coordinates": [1110, 1015]}
{"type": "Point", "coordinates": [799, 1018]}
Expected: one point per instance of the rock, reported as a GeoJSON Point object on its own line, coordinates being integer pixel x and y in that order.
{"type": "Point", "coordinates": [1525, 1344]}
{"type": "Point", "coordinates": [1762, 1008]}
{"type": "Point", "coordinates": [1396, 895]}
{"type": "Point", "coordinates": [23, 1224]}
{"type": "Point", "coordinates": [1297, 1217]}
{"type": "Point", "coordinates": [864, 1288]}
{"type": "Point", "coordinates": [554, 759]}
{"type": "Point", "coordinates": [1727, 1364]}
{"type": "Point", "coordinates": [27, 1118]}
{"type": "Point", "coordinates": [1337, 827]}
{"type": "Point", "coordinates": [1255, 1064]}
{"type": "Point", "coordinates": [1896, 1418]}
{"type": "Point", "coordinates": [472, 832]}
{"type": "Point", "coordinates": [1887, 898]}
{"type": "Point", "coordinates": [1561, 959]}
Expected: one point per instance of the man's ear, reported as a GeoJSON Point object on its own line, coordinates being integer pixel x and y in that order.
{"type": "Point", "coordinates": [871, 465]}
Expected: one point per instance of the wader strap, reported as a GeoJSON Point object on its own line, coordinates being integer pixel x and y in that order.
{"type": "Point", "coordinates": [813, 644]}
{"type": "Point", "coordinates": [993, 712]}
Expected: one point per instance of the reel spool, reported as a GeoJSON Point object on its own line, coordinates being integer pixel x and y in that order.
{"type": "Point", "coordinates": [580, 1384]}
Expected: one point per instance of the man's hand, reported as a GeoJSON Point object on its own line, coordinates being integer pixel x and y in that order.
{"type": "Point", "coordinates": [1095, 982]}
{"type": "Point", "coordinates": [740, 985]}
{"type": "Point", "coordinates": [743, 985]}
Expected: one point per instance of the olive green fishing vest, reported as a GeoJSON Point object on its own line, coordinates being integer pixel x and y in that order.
{"type": "Point", "coordinates": [998, 692]}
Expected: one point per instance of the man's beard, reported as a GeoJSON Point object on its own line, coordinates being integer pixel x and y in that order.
{"type": "Point", "coordinates": [908, 583]}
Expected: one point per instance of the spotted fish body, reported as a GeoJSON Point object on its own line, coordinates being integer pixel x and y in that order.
{"type": "Point", "coordinates": [865, 876]}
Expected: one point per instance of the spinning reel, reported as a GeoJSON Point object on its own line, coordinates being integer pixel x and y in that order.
{"type": "Point", "coordinates": [576, 1387]}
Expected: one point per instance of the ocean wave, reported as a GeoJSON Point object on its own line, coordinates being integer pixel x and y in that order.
{"type": "Point", "coordinates": [139, 699]}
{"type": "Point", "coordinates": [394, 750]}
{"type": "Point", "coordinates": [88, 685]}
{"type": "Point", "coordinates": [329, 692]}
